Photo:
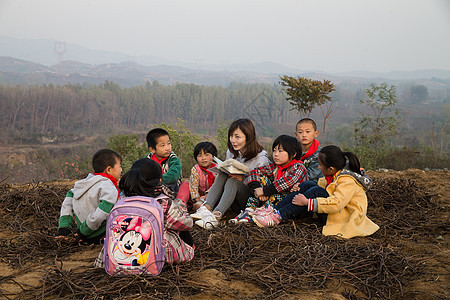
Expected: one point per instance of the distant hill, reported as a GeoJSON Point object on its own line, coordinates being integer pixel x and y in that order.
{"type": "Point", "coordinates": [41, 51]}
{"type": "Point", "coordinates": [9, 64]}
{"type": "Point", "coordinates": [128, 74]}
{"type": "Point", "coordinates": [27, 61]}
{"type": "Point", "coordinates": [400, 75]}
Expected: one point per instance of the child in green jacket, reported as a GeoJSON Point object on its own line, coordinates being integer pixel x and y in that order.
{"type": "Point", "coordinates": [158, 141]}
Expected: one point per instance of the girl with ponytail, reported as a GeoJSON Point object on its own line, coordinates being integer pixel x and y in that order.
{"type": "Point", "coordinates": [339, 198]}
{"type": "Point", "coordinates": [145, 179]}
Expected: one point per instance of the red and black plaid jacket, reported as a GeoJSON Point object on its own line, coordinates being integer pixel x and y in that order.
{"type": "Point", "coordinates": [294, 174]}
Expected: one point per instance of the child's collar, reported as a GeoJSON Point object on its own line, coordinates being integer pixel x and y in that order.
{"type": "Point", "coordinates": [114, 180]}
{"type": "Point", "coordinates": [312, 149]}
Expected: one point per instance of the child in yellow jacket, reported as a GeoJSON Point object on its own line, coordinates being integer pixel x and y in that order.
{"type": "Point", "coordinates": [339, 198]}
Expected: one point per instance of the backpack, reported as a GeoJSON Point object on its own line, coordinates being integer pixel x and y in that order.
{"type": "Point", "coordinates": [134, 242]}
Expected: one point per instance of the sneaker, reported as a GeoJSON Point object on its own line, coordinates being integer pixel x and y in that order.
{"type": "Point", "coordinates": [267, 219]}
{"type": "Point", "coordinates": [261, 211]}
{"type": "Point", "coordinates": [243, 217]}
{"type": "Point", "coordinates": [198, 204]}
{"type": "Point", "coordinates": [201, 213]}
{"type": "Point", "coordinates": [208, 222]}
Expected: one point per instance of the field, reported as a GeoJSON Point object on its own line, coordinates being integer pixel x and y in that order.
{"type": "Point", "coordinates": [408, 258]}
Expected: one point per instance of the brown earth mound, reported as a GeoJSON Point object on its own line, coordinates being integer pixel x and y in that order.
{"type": "Point", "coordinates": [406, 259]}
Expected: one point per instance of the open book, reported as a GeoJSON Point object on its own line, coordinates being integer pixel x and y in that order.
{"type": "Point", "coordinates": [230, 166]}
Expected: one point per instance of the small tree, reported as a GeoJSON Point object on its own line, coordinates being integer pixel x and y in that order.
{"type": "Point", "coordinates": [183, 144]}
{"type": "Point", "coordinates": [304, 94]}
{"type": "Point", "coordinates": [222, 140]}
{"type": "Point", "coordinates": [373, 129]}
{"type": "Point", "coordinates": [129, 147]}
{"type": "Point", "coordinates": [182, 140]}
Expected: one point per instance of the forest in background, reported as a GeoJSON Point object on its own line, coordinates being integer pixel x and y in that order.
{"type": "Point", "coordinates": [65, 124]}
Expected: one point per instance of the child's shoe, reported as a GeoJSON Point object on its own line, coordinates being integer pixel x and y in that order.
{"type": "Point", "coordinates": [267, 219]}
{"type": "Point", "coordinates": [261, 211]}
{"type": "Point", "coordinates": [243, 217]}
{"type": "Point", "coordinates": [201, 213]}
{"type": "Point", "coordinates": [208, 222]}
{"type": "Point", "coordinates": [198, 204]}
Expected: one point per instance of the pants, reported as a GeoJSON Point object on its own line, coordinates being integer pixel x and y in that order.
{"type": "Point", "coordinates": [227, 192]}
{"type": "Point", "coordinates": [288, 210]}
{"type": "Point", "coordinates": [183, 192]}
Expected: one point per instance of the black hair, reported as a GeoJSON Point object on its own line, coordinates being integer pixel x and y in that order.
{"type": "Point", "coordinates": [290, 145]}
{"type": "Point", "coordinates": [333, 156]}
{"type": "Point", "coordinates": [143, 179]}
{"type": "Point", "coordinates": [207, 147]}
{"type": "Point", "coordinates": [105, 158]}
{"type": "Point", "coordinates": [252, 147]}
{"type": "Point", "coordinates": [154, 134]}
{"type": "Point", "coordinates": [306, 120]}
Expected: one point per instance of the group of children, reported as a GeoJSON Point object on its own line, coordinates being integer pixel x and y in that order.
{"type": "Point", "coordinates": [302, 180]}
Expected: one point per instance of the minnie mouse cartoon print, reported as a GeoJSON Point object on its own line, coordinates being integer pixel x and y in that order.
{"type": "Point", "coordinates": [132, 243]}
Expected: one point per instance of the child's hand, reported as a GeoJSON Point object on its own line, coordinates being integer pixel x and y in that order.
{"type": "Point", "coordinates": [63, 233]}
{"type": "Point", "coordinates": [82, 239]}
{"type": "Point", "coordinates": [63, 237]}
{"type": "Point", "coordinates": [237, 177]}
{"type": "Point", "coordinates": [295, 188]}
{"type": "Point", "coordinates": [300, 200]}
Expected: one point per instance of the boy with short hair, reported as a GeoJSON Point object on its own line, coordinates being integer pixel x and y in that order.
{"type": "Point", "coordinates": [158, 141]}
{"type": "Point", "coordinates": [306, 133]}
{"type": "Point", "coordinates": [91, 199]}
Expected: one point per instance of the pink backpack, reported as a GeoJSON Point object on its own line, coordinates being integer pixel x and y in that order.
{"type": "Point", "coordinates": [134, 242]}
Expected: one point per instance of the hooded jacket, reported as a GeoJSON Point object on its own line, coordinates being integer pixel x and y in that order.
{"type": "Point", "coordinates": [90, 202]}
{"type": "Point", "coordinates": [346, 206]}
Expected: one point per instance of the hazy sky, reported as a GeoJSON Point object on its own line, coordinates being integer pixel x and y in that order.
{"type": "Point", "coordinates": [328, 35]}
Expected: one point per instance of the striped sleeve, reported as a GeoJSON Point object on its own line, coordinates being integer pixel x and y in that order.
{"type": "Point", "coordinates": [312, 205]}
{"type": "Point", "coordinates": [66, 214]}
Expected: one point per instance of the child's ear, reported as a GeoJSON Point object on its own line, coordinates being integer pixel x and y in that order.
{"type": "Point", "coordinates": [108, 170]}
{"type": "Point", "coordinates": [316, 134]}
{"type": "Point", "coordinates": [152, 150]}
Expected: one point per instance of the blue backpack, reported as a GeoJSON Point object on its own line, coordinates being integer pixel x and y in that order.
{"type": "Point", "coordinates": [134, 242]}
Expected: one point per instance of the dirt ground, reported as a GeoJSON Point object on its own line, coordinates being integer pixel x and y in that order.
{"type": "Point", "coordinates": [22, 279]}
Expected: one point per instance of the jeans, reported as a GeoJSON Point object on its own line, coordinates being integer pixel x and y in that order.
{"type": "Point", "coordinates": [227, 192]}
{"type": "Point", "coordinates": [288, 210]}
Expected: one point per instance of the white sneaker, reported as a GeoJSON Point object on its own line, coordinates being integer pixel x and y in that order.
{"type": "Point", "coordinates": [201, 213]}
{"type": "Point", "coordinates": [208, 222]}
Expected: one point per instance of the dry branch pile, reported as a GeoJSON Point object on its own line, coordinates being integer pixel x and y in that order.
{"type": "Point", "coordinates": [279, 261]}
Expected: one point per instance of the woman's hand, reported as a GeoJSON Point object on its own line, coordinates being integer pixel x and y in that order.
{"type": "Point", "coordinates": [239, 177]}
{"type": "Point", "coordinates": [300, 200]}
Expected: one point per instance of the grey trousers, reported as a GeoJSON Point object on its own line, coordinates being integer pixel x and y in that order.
{"type": "Point", "coordinates": [227, 192]}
